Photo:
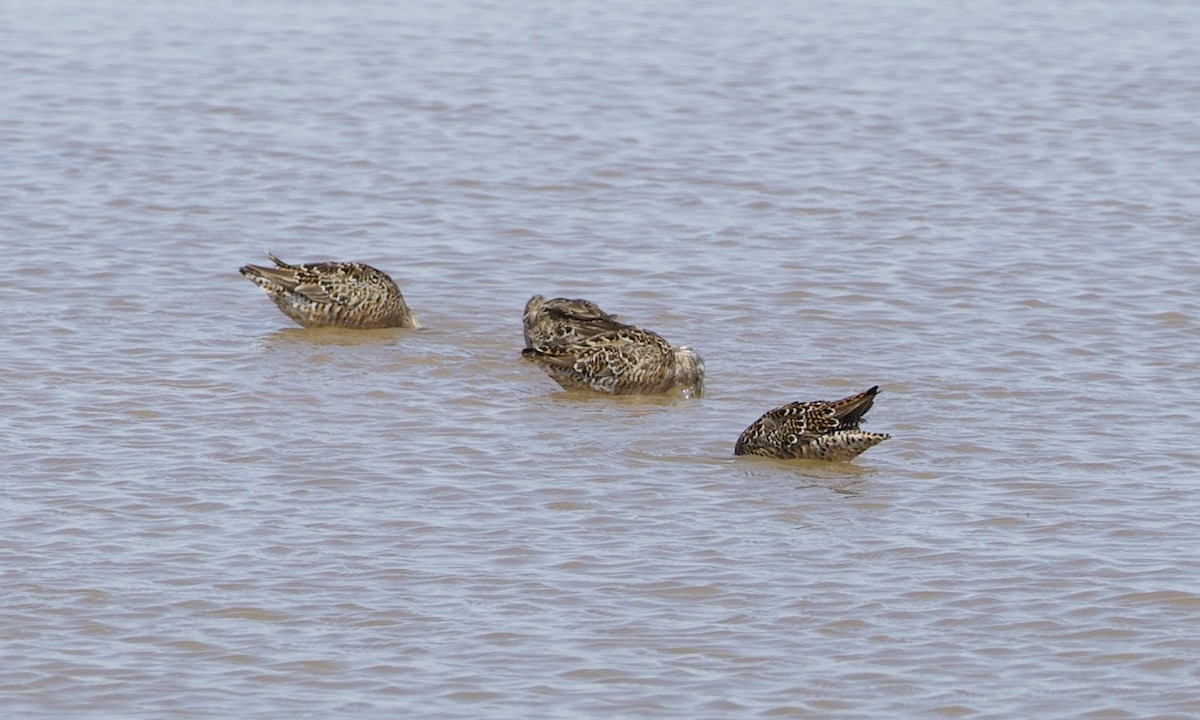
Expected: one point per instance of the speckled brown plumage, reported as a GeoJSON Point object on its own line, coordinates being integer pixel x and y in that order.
{"type": "Point", "coordinates": [621, 362]}
{"type": "Point", "coordinates": [817, 430]}
{"type": "Point", "coordinates": [333, 294]}
{"type": "Point", "coordinates": [562, 321]}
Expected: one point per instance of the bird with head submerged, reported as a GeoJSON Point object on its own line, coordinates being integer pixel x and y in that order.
{"type": "Point", "coordinates": [628, 361]}
{"type": "Point", "coordinates": [333, 294]}
{"type": "Point", "coordinates": [817, 430]}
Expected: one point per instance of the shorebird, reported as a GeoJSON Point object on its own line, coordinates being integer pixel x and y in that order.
{"type": "Point", "coordinates": [333, 294]}
{"type": "Point", "coordinates": [629, 361]}
{"type": "Point", "coordinates": [817, 430]}
{"type": "Point", "coordinates": [561, 321]}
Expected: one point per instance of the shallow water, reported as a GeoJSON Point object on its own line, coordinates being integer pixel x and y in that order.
{"type": "Point", "coordinates": [988, 211]}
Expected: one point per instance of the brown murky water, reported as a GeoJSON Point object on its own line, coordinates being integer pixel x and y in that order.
{"type": "Point", "coordinates": [990, 211]}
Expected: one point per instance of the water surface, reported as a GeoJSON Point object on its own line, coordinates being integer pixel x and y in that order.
{"type": "Point", "coordinates": [989, 211]}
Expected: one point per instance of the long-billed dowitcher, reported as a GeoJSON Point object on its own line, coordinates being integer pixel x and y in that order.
{"type": "Point", "coordinates": [817, 430]}
{"type": "Point", "coordinates": [629, 361]}
{"type": "Point", "coordinates": [561, 321]}
{"type": "Point", "coordinates": [333, 294]}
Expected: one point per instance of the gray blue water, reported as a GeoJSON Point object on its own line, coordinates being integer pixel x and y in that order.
{"type": "Point", "coordinates": [987, 210]}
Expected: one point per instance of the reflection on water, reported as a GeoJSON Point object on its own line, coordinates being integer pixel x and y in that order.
{"type": "Point", "coordinates": [291, 337]}
{"type": "Point", "coordinates": [842, 478]}
{"type": "Point", "coordinates": [211, 512]}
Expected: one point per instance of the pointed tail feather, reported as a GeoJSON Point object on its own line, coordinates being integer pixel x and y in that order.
{"type": "Point", "coordinates": [849, 411]}
{"type": "Point", "coordinates": [254, 272]}
{"type": "Point", "coordinates": [283, 276]}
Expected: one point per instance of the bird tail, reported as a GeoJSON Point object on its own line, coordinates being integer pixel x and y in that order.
{"type": "Point", "coordinates": [849, 411]}
{"type": "Point", "coordinates": [282, 274]}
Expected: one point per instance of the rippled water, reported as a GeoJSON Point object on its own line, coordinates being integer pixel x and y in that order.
{"type": "Point", "coordinates": [989, 210]}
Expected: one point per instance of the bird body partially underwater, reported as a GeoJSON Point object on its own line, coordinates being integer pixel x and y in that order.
{"type": "Point", "coordinates": [582, 347]}
{"type": "Point", "coordinates": [817, 430]}
{"type": "Point", "coordinates": [628, 361]}
{"type": "Point", "coordinates": [333, 294]}
{"type": "Point", "coordinates": [561, 321]}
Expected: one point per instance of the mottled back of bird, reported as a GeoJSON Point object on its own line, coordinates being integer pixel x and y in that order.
{"type": "Point", "coordinates": [333, 294]}
{"type": "Point", "coordinates": [630, 361]}
{"type": "Point", "coordinates": [562, 321]}
{"type": "Point", "coordinates": [816, 430]}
